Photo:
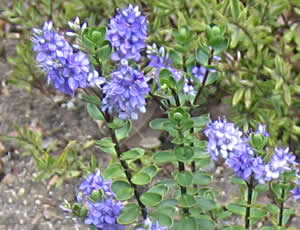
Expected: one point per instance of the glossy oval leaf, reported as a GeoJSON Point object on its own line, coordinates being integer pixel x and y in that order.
{"type": "Point", "coordinates": [122, 189]}
{"type": "Point", "coordinates": [129, 214]}
{"type": "Point", "coordinates": [164, 157]}
{"type": "Point", "coordinates": [151, 198]}
{"type": "Point", "coordinates": [141, 178]}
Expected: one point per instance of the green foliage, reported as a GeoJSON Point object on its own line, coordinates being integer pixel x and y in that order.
{"type": "Point", "coordinates": [68, 164]}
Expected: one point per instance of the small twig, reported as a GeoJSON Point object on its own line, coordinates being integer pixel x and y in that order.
{"type": "Point", "coordinates": [205, 78]}
{"type": "Point", "coordinates": [281, 208]}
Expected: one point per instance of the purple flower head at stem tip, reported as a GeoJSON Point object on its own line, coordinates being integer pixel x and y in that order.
{"type": "Point", "coordinates": [104, 214]}
{"type": "Point", "coordinates": [245, 164]}
{"type": "Point", "coordinates": [223, 138]}
{"type": "Point", "coordinates": [128, 33]}
{"type": "Point", "coordinates": [95, 182]}
{"type": "Point", "coordinates": [125, 93]}
{"type": "Point", "coordinates": [296, 194]}
{"type": "Point", "coordinates": [65, 68]}
{"type": "Point", "coordinates": [280, 162]}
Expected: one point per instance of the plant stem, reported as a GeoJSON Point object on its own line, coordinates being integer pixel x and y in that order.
{"type": "Point", "coordinates": [249, 200]}
{"type": "Point", "coordinates": [280, 217]}
{"type": "Point", "coordinates": [182, 188]}
{"type": "Point", "coordinates": [128, 173]}
{"type": "Point", "coordinates": [205, 78]}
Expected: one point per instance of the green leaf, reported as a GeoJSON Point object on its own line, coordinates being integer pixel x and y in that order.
{"type": "Point", "coordinates": [91, 99]}
{"type": "Point", "coordinates": [202, 178]}
{"type": "Point", "coordinates": [235, 8]}
{"type": "Point", "coordinates": [141, 178]}
{"type": "Point", "coordinates": [184, 178]}
{"type": "Point", "coordinates": [257, 213]}
{"type": "Point", "coordinates": [261, 188]}
{"type": "Point", "coordinates": [201, 121]}
{"type": "Point", "coordinates": [106, 144]}
{"type": "Point", "coordinates": [98, 35]}
{"type": "Point", "coordinates": [184, 154]}
{"type": "Point", "coordinates": [160, 188]}
{"type": "Point", "coordinates": [151, 198]}
{"type": "Point", "coordinates": [129, 214]}
{"type": "Point", "coordinates": [202, 55]}
{"type": "Point", "coordinates": [151, 171]}
{"type": "Point", "coordinates": [164, 157]}
{"type": "Point", "coordinates": [166, 78]}
{"type": "Point", "coordinates": [237, 209]}
{"type": "Point", "coordinates": [94, 112]}
{"type": "Point", "coordinates": [158, 124]}
{"type": "Point", "coordinates": [220, 46]}
{"type": "Point", "coordinates": [105, 51]}
{"type": "Point", "coordinates": [123, 132]}
{"type": "Point", "coordinates": [205, 223]}
{"type": "Point", "coordinates": [163, 219]}
{"type": "Point", "coordinates": [248, 99]}
{"type": "Point", "coordinates": [122, 189]}
{"type": "Point", "coordinates": [205, 203]}
{"type": "Point", "coordinates": [212, 77]}
{"type": "Point", "coordinates": [238, 181]}
{"type": "Point", "coordinates": [187, 201]}
{"type": "Point", "coordinates": [133, 154]}
{"type": "Point", "coordinates": [114, 171]}
{"type": "Point", "coordinates": [187, 223]}
{"type": "Point", "coordinates": [273, 209]}
{"type": "Point", "coordinates": [238, 95]}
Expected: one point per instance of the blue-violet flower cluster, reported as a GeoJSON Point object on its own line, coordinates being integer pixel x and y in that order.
{"type": "Point", "coordinates": [227, 141]}
{"type": "Point", "coordinates": [128, 33]}
{"type": "Point", "coordinates": [280, 162]}
{"type": "Point", "coordinates": [68, 70]}
{"type": "Point", "coordinates": [296, 193]}
{"type": "Point", "coordinates": [125, 93]}
{"type": "Point", "coordinates": [223, 138]}
{"type": "Point", "coordinates": [104, 212]}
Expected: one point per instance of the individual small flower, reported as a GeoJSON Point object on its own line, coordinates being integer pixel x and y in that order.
{"type": "Point", "coordinates": [95, 182]}
{"type": "Point", "coordinates": [281, 161]}
{"type": "Point", "coordinates": [223, 138]}
{"type": "Point", "coordinates": [149, 225]}
{"type": "Point", "coordinates": [262, 129]}
{"type": "Point", "coordinates": [125, 93]}
{"type": "Point", "coordinates": [104, 215]}
{"type": "Point", "coordinates": [128, 33]}
{"type": "Point", "coordinates": [296, 194]}
{"type": "Point", "coordinates": [199, 72]}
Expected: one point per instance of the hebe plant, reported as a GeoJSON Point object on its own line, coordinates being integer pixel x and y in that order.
{"type": "Point", "coordinates": [118, 75]}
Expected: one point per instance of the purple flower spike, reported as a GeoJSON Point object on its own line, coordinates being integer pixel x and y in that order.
{"type": "Point", "coordinates": [104, 214]}
{"type": "Point", "coordinates": [296, 194]}
{"type": "Point", "coordinates": [128, 33]}
{"type": "Point", "coordinates": [281, 161]}
{"type": "Point", "coordinates": [125, 93]}
{"type": "Point", "coordinates": [223, 138]}
{"type": "Point", "coordinates": [95, 182]}
{"type": "Point", "coordinates": [245, 164]}
{"type": "Point", "coordinates": [66, 69]}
